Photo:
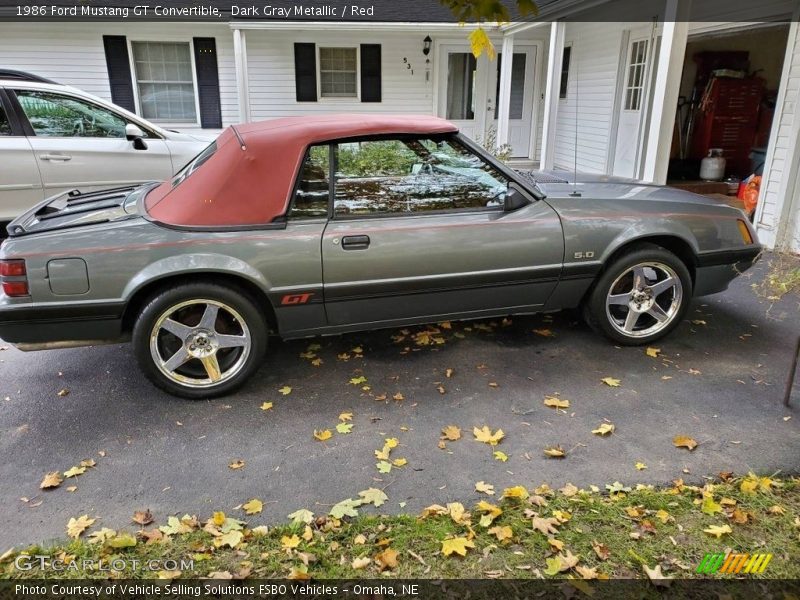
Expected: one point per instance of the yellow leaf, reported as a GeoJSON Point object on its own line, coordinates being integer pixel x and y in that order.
{"type": "Point", "coordinates": [457, 545]}
{"type": "Point", "coordinates": [501, 456]}
{"type": "Point", "coordinates": [452, 433]}
{"type": "Point", "coordinates": [323, 435]}
{"type": "Point", "coordinates": [640, 466]}
{"type": "Point", "coordinates": [383, 454]}
{"type": "Point", "coordinates": [653, 352]}
{"type": "Point", "coordinates": [433, 510]}
{"type": "Point", "coordinates": [399, 462]}
{"type": "Point", "coordinates": [230, 539]}
{"type": "Point", "coordinates": [308, 533]}
{"type": "Point", "coordinates": [51, 480]}
{"type": "Point", "coordinates": [253, 507]}
{"type": "Point", "coordinates": [557, 545]}
{"type": "Point", "coordinates": [386, 559]}
{"type": "Point", "coordinates": [554, 402]}
{"type": "Point", "coordinates": [662, 515]}
{"type": "Point", "coordinates": [358, 380]}
{"type": "Point", "coordinates": [285, 390]}
{"type": "Point", "coordinates": [502, 533]}
{"type": "Point", "coordinates": [684, 441]}
{"type": "Point", "coordinates": [346, 416]}
{"type": "Point", "coordinates": [518, 492]}
{"type": "Point", "coordinates": [604, 429]}
{"type": "Point", "coordinates": [710, 507]}
{"type": "Point", "coordinates": [218, 518]}
{"type": "Point", "coordinates": [611, 382]}
{"type": "Point", "coordinates": [555, 452]}
{"type": "Point", "coordinates": [484, 488]}
{"type": "Point", "coordinates": [457, 511]}
{"type": "Point", "coordinates": [75, 527]}
{"type": "Point", "coordinates": [74, 472]}
{"type": "Point", "coordinates": [656, 577]}
{"type": "Point", "coordinates": [237, 464]}
{"type": "Point", "coordinates": [486, 436]}
{"type": "Point", "coordinates": [288, 542]}
{"type": "Point", "coordinates": [383, 466]}
{"type": "Point", "coordinates": [302, 516]}
{"type": "Point", "coordinates": [266, 406]}
{"type": "Point", "coordinates": [544, 332]}
{"type": "Point", "coordinates": [344, 428]}
{"type": "Point", "coordinates": [718, 530]}
{"type": "Point", "coordinates": [392, 442]}
{"type": "Point", "coordinates": [546, 525]}
{"type": "Point", "coordinates": [489, 509]}
{"type": "Point", "coordinates": [360, 563]}
{"type": "Point", "coordinates": [398, 396]}
{"type": "Point", "coordinates": [316, 362]}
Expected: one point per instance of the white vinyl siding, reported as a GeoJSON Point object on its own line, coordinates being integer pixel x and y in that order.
{"type": "Point", "coordinates": [72, 53]}
{"type": "Point", "coordinates": [591, 88]}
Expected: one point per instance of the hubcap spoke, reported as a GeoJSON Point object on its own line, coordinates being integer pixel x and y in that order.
{"type": "Point", "coordinates": [209, 319]}
{"type": "Point", "coordinates": [662, 286]}
{"type": "Point", "coordinates": [212, 366]}
{"type": "Point", "coordinates": [231, 341]}
{"type": "Point", "coordinates": [639, 279]}
{"type": "Point", "coordinates": [177, 329]}
{"type": "Point", "coordinates": [177, 359]}
{"type": "Point", "coordinates": [658, 313]}
{"type": "Point", "coordinates": [630, 320]}
{"type": "Point", "coordinates": [622, 299]}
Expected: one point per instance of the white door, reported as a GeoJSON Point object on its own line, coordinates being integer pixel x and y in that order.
{"type": "Point", "coordinates": [634, 92]}
{"type": "Point", "coordinates": [521, 104]}
{"type": "Point", "coordinates": [20, 182]}
{"type": "Point", "coordinates": [77, 144]}
{"type": "Point", "coordinates": [463, 97]}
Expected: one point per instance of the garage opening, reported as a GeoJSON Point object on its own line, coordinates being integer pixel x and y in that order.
{"type": "Point", "coordinates": [729, 88]}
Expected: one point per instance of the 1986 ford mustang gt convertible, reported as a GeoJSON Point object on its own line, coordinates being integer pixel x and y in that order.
{"type": "Point", "coordinates": [322, 225]}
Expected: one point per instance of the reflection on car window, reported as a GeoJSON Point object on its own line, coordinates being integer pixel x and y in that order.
{"type": "Point", "coordinates": [313, 188]}
{"type": "Point", "coordinates": [5, 126]}
{"type": "Point", "coordinates": [413, 176]}
{"type": "Point", "coordinates": [54, 115]}
{"type": "Point", "coordinates": [194, 164]}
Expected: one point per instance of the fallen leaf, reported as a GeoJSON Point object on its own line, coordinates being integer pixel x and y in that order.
{"type": "Point", "coordinates": [499, 455]}
{"type": "Point", "coordinates": [502, 533]}
{"type": "Point", "coordinates": [555, 452]}
{"type": "Point", "coordinates": [554, 402]}
{"type": "Point", "coordinates": [457, 545]}
{"type": "Point", "coordinates": [237, 464]}
{"type": "Point", "coordinates": [484, 488]}
{"type": "Point", "coordinates": [560, 563]}
{"type": "Point", "coordinates": [285, 390]}
{"type": "Point", "coordinates": [684, 441]}
{"type": "Point", "coordinates": [653, 352]}
{"type": "Point", "coordinates": [101, 536]}
{"type": "Point", "coordinates": [451, 433]}
{"type": "Point", "coordinates": [302, 516]}
{"type": "Point", "coordinates": [289, 542]}
{"type": "Point", "coordinates": [604, 429]}
{"type": "Point", "coordinates": [253, 507]}
{"type": "Point", "coordinates": [569, 490]}
{"type": "Point", "coordinates": [63, 392]}
{"type": "Point", "coordinates": [384, 466]}
{"type": "Point", "coordinates": [547, 525]}
{"type": "Point", "coordinates": [398, 396]}
{"type": "Point", "coordinates": [358, 380]}
{"type": "Point", "coordinates": [360, 563]}
{"type": "Point", "coordinates": [74, 472]}
{"type": "Point", "coordinates": [345, 508]}
{"type": "Point", "coordinates": [51, 480]}
{"type": "Point", "coordinates": [611, 382]}
{"type": "Point", "coordinates": [485, 435]}
{"type": "Point", "coordinates": [640, 466]}
{"type": "Point", "coordinates": [602, 551]}
{"type": "Point", "coordinates": [122, 540]}
{"type": "Point", "coordinates": [399, 462]}
{"type": "Point", "coordinates": [708, 506]}
{"type": "Point", "coordinates": [718, 530]}
{"type": "Point", "coordinates": [662, 515]}
{"type": "Point", "coordinates": [518, 492]}
{"type": "Point", "coordinates": [323, 435]}
{"type": "Point", "coordinates": [586, 572]}
{"type": "Point", "coordinates": [544, 332]}
{"type": "Point", "coordinates": [343, 428]}
{"type": "Point", "coordinates": [656, 577]}
{"type": "Point", "coordinates": [386, 559]}
{"type": "Point", "coordinates": [448, 373]}
{"type": "Point", "coordinates": [346, 416]}
{"type": "Point", "coordinates": [266, 406]}
{"type": "Point", "coordinates": [143, 517]}
{"type": "Point", "coordinates": [75, 527]}
{"type": "Point", "coordinates": [373, 496]}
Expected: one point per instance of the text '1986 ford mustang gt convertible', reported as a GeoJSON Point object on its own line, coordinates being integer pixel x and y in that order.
{"type": "Point", "coordinates": [322, 225]}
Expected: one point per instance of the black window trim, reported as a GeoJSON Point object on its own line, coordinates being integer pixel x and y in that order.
{"type": "Point", "coordinates": [8, 105]}
{"type": "Point", "coordinates": [295, 188]}
{"type": "Point", "coordinates": [29, 131]}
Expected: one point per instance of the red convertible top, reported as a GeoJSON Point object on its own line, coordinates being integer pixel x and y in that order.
{"type": "Point", "coordinates": [250, 177]}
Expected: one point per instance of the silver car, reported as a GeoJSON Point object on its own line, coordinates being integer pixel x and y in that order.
{"type": "Point", "coordinates": [323, 225]}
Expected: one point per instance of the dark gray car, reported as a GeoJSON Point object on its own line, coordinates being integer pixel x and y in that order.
{"type": "Point", "coordinates": [323, 225]}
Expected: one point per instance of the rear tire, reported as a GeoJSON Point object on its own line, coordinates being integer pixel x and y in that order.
{"type": "Point", "coordinates": [200, 340]}
{"type": "Point", "coordinates": [641, 297]}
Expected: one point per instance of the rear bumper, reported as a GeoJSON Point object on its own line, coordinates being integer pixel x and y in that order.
{"type": "Point", "coordinates": [33, 327]}
{"type": "Point", "coordinates": [715, 270]}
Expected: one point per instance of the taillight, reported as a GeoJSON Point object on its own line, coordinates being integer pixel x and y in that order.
{"type": "Point", "coordinates": [12, 268]}
{"type": "Point", "coordinates": [744, 232]}
{"type": "Point", "coordinates": [13, 277]}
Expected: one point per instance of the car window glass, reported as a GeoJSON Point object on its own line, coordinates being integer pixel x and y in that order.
{"type": "Point", "coordinates": [194, 164]}
{"type": "Point", "coordinates": [5, 126]}
{"type": "Point", "coordinates": [313, 187]}
{"type": "Point", "coordinates": [413, 176]}
{"type": "Point", "coordinates": [55, 115]}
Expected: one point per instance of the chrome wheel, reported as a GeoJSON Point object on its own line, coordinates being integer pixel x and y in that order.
{"type": "Point", "coordinates": [200, 343]}
{"type": "Point", "coordinates": [644, 299]}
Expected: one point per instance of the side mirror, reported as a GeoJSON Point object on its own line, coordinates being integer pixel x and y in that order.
{"type": "Point", "coordinates": [135, 135]}
{"type": "Point", "coordinates": [514, 200]}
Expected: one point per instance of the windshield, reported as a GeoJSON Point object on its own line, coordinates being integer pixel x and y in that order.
{"type": "Point", "coordinates": [194, 164]}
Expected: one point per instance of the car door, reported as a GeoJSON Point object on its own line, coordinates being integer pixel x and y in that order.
{"type": "Point", "coordinates": [419, 232]}
{"type": "Point", "coordinates": [20, 182]}
{"type": "Point", "coordinates": [80, 144]}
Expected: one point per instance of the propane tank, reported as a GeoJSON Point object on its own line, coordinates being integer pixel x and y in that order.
{"type": "Point", "coordinates": [712, 167]}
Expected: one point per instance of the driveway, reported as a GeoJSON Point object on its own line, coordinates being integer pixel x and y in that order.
{"type": "Point", "coordinates": [718, 379]}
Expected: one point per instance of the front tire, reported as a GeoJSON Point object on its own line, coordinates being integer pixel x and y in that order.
{"type": "Point", "coordinates": [641, 297]}
{"type": "Point", "coordinates": [200, 340]}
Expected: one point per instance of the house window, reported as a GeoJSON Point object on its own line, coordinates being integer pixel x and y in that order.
{"type": "Point", "coordinates": [338, 72]}
{"type": "Point", "coordinates": [164, 81]}
{"type": "Point", "coordinates": [634, 85]}
{"type": "Point", "coordinates": [565, 60]}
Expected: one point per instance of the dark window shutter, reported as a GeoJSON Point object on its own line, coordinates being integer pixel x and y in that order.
{"type": "Point", "coordinates": [205, 62]}
{"type": "Point", "coordinates": [370, 72]}
{"type": "Point", "coordinates": [305, 72]}
{"type": "Point", "coordinates": [119, 71]}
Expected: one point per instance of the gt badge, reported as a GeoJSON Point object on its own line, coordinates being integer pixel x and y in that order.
{"type": "Point", "coordinates": [290, 299]}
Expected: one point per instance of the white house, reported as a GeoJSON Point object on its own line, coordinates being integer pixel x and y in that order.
{"type": "Point", "coordinates": [598, 95]}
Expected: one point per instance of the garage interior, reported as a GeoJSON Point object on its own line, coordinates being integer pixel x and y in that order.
{"type": "Point", "coordinates": [728, 93]}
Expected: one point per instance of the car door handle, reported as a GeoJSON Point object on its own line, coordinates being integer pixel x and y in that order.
{"type": "Point", "coordinates": [63, 157]}
{"type": "Point", "coordinates": [355, 242]}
